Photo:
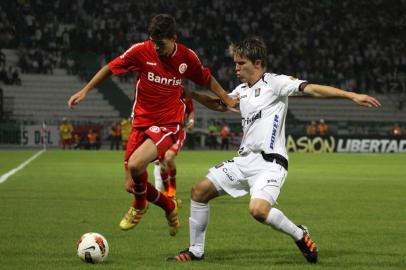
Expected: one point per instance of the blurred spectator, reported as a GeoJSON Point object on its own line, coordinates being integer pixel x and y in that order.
{"type": "Point", "coordinates": [235, 139]}
{"type": "Point", "coordinates": [65, 131]}
{"type": "Point", "coordinates": [212, 139]}
{"type": "Point", "coordinates": [311, 128]}
{"type": "Point", "coordinates": [2, 58]}
{"type": "Point", "coordinates": [322, 128]}
{"type": "Point", "coordinates": [125, 132]}
{"type": "Point", "coordinates": [225, 137]}
{"type": "Point", "coordinates": [3, 74]}
{"type": "Point", "coordinates": [396, 130]}
{"type": "Point", "coordinates": [115, 136]}
{"type": "Point", "coordinates": [77, 141]}
{"type": "Point", "coordinates": [92, 140]}
{"type": "Point", "coordinates": [15, 76]}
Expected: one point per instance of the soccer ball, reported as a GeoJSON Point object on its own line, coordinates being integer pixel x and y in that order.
{"type": "Point", "coordinates": [92, 248]}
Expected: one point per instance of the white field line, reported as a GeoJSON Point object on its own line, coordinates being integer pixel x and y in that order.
{"type": "Point", "coordinates": [5, 176]}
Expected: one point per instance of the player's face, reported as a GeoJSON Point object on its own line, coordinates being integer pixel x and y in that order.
{"type": "Point", "coordinates": [245, 70]}
{"type": "Point", "coordinates": [165, 46]}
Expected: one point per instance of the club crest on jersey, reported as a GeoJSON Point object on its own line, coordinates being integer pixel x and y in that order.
{"type": "Point", "coordinates": [154, 129]}
{"type": "Point", "coordinates": [257, 92]}
{"type": "Point", "coordinates": [182, 68]}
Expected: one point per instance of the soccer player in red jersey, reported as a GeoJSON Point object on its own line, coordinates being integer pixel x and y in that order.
{"type": "Point", "coordinates": [158, 112]}
{"type": "Point", "coordinates": [165, 171]}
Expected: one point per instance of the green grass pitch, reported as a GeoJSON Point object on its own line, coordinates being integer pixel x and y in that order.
{"type": "Point", "coordinates": [353, 204]}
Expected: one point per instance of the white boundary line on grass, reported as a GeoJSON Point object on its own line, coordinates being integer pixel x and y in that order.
{"type": "Point", "coordinates": [5, 176]}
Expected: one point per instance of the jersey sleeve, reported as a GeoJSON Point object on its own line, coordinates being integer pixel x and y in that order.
{"type": "Point", "coordinates": [287, 85]}
{"type": "Point", "coordinates": [195, 70]}
{"type": "Point", "coordinates": [128, 61]}
{"type": "Point", "coordinates": [235, 93]}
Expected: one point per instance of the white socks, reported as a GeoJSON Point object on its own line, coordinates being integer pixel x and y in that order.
{"type": "Point", "coordinates": [280, 222]}
{"type": "Point", "coordinates": [199, 218]}
{"type": "Point", "coordinates": [157, 175]}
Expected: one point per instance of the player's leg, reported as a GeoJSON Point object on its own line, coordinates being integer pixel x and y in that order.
{"type": "Point", "coordinates": [262, 210]}
{"type": "Point", "coordinates": [171, 169]}
{"type": "Point", "coordinates": [201, 194]}
{"type": "Point", "coordinates": [223, 178]}
{"type": "Point", "coordinates": [137, 165]}
{"type": "Point", "coordinates": [263, 197]}
{"type": "Point", "coordinates": [164, 176]}
{"type": "Point", "coordinates": [170, 165]}
{"type": "Point", "coordinates": [159, 135]}
{"type": "Point", "coordinates": [137, 183]}
{"type": "Point", "coordinates": [157, 176]}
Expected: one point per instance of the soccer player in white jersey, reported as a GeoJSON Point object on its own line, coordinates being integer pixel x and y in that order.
{"type": "Point", "coordinates": [261, 167]}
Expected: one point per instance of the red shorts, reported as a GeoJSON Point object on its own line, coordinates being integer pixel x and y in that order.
{"type": "Point", "coordinates": [179, 143]}
{"type": "Point", "coordinates": [163, 137]}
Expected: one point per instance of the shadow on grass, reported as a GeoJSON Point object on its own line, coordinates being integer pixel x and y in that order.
{"type": "Point", "coordinates": [249, 257]}
{"type": "Point", "coordinates": [289, 257]}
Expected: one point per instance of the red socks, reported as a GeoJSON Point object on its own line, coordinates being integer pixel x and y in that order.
{"type": "Point", "coordinates": [144, 191]}
{"type": "Point", "coordinates": [172, 179]}
{"type": "Point", "coordinates": [140, 191]}
{"type": "Point", "coordinates": [165, 180]}
{"type": "Point", "coordinates": [159, 199]}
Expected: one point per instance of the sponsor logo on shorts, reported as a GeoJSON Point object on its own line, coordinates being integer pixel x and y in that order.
{"type": "Point", "coordinates": [182, 68]}
{"type": "Point", "coordinates": [154, 129]}
{"type": "Point", "coordinates": [229, 175]}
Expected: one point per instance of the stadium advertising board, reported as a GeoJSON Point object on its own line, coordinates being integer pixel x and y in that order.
{"type": "Point", "coordinates": [348, 144]}
{"type": "Point", "coordinates": [37, 135]}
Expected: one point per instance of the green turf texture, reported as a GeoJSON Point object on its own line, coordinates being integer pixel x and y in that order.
{"type": "Point", "coordinates": [353, 204]}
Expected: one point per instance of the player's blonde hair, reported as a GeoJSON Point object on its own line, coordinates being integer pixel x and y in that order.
{"type": "Point", "coordinates": [253, 48]}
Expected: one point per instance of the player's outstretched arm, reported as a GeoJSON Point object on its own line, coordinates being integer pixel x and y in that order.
{"type": "Point", "coordinates": [323, 91]}
{"type": "Point", "coordinates": [100, 76]}
{"type": "Point", "coordinates": [211, 102]}
{"type": "Point", "coordinates": [217, 89]}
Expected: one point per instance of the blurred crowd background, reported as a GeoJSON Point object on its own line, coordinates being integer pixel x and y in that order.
{"type": "Point", "coordinates": [359, 44]}
{"type": "Point", "coordinates": [355, 45]}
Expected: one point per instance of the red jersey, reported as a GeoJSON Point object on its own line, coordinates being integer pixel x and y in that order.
{"type": "Point", "coordinates": [158, 86]}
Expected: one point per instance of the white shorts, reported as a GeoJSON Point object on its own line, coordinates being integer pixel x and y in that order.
{"type": "Point", "coordinates": [251, 173]}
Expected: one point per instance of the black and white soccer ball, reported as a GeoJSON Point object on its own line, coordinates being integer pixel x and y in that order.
{"type": "Point", "coordinates": [92, 248]}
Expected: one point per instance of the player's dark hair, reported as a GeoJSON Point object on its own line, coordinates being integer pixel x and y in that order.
{"type": "Point", "coordinates": [253, 48]}
{"type": "Point", "coordinates": [162, 26]}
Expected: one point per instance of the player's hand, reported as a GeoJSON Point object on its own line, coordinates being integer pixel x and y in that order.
{"type": "Point", "coordinates": [365, 100]}
{"type": "Point", "coordinates": [76, 98]}
{"type": "Point", "coordinates": [231, 102]}
{"type": "Point", "coordinates": [190, 124]}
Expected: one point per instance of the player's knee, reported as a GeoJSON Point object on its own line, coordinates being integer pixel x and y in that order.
{"type": "Point", "coordinates": [135, 169]}
{"type": "Point", "coordinates": [259, 213]}
{"type": "Point", "coordinates": [198, 194]}
{"type": "Point", "coordinates": [170, 157]}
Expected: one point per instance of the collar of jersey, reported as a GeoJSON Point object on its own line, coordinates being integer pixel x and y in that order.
{"type": "Point", "coordinates": [262, 78]}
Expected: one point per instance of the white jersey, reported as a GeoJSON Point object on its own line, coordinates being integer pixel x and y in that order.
{"type": "Point", "coordinates": [263, 109]}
